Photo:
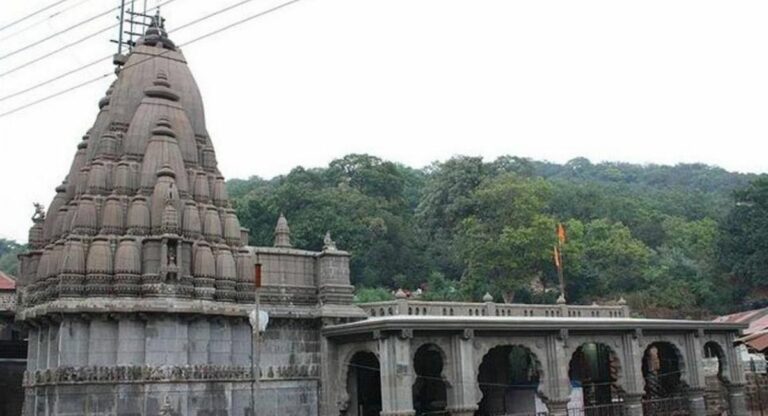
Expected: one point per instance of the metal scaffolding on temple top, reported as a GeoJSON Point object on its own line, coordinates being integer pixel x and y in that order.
{"type": "Point", "coordinates": [131, 25]}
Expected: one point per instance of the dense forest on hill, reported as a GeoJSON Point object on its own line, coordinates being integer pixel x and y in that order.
{"type": "Point", "coordinates": [675, 241]}
{"type": "Point", "coordinates": [671, 239]}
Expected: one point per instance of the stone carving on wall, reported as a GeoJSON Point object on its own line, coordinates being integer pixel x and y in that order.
{"type": "Point", "coordinates": [136, 374]}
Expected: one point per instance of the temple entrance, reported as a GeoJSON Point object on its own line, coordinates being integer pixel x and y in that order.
{"type": "Point", "coordinates": [364, 385]}
{"type": "Point", "coordinates": [594, 371]}
{"type": "Point", "coordinates": [429, 389]}
{"type": "Point", "coordinates": [509, 380]}
{"type": "Point", "coordinates": [662, 371]}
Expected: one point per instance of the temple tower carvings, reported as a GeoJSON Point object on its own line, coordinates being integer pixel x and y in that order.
{"type": "Point", "coordinates": [137, 279]}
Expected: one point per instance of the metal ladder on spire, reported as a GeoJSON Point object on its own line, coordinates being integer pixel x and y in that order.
{"type": "Point", "coordinates": [130, 21]}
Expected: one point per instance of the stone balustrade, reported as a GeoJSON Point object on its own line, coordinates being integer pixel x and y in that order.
{"type": "Point", "coordinates": [417, 307]}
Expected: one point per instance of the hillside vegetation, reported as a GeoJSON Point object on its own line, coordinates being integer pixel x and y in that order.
{"type": "Point", "coordinates": [671, 239]}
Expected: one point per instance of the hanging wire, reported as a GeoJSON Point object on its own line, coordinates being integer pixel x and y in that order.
{"type": "Point", "coordinates": [82, 84]}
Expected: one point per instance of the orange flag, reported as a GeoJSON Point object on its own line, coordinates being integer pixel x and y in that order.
{"type": "Point", "coordinates": [560, 233]}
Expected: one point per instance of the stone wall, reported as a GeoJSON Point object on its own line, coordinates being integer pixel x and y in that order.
{"type": "Point", "coordinates": [128, 364]}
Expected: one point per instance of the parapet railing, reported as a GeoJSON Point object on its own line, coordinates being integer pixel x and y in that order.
{"type": "Point", "coordinates": [415, 307]}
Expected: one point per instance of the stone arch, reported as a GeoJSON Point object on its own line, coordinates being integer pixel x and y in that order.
{"type": "Point", "coordinates": [716, 379]}
{"type": "Point", "coordinates": [361, 375]}
{"type": "Point", "coordinates": [435, 344]}
{"type": "Point", "coordinates": [713, 349]}
{"type": "Point", "coordinates": [509, 379]}
{"type": "Point", "coordinates": [596, 368]}
{"type": "Point", "coordinates": [430, 389]}
{"type": "Point", "coordinates": [663, 367]}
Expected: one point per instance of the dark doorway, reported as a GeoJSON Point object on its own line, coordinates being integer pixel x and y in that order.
{"type": "Point", "coordinates": [662, 371]}
{"type": "Point", "coordinates": [364, 385]}
{"type": "Point", "coordinates": [595, 368]}
{"type": "Point", "coordinates": [509, 380]}
{"type": "Point", "coordinates": [429, 389]}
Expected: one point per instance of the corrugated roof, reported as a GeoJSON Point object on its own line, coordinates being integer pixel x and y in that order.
{"type": "Point", "coordinates": [756, 335]}
{"type": "Point", "coordinates": [757, 341]}
{"type": "Point", "coordinates": [747, 316]}
{"type": "Point", "coordinates": [7, 282]}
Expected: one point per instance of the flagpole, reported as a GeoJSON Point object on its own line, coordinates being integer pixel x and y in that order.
{"type": "Point", "coordinates": [559, 260]}
{"type": "Point", "coordinates": [560, 277]}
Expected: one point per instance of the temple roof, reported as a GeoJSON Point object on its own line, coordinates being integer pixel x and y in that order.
{"type": "Point", "coordinates": [7, 282]}
{"type": "Point", "coordinates": [520, 323]}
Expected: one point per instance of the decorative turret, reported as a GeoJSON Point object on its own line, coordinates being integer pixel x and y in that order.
{"type": "Point", "coordinates": [72, 268]}
{"type": "Point", "coordinates": [231, 228]}
{"type": "Point", "coordinates": [127, 267]}
{"type": "Point", "coordinates": [98, 279]}
{"type": "Point", "coordinates": [53, 211]}
{"type": "Point", "coordinates": [282, 232]}
{"type": "Point", "coordinates": [85, 221]}
{"type": "Point", "coordinates": [138, 216]}
{"type": "Point", "coordinates": [191, 227]}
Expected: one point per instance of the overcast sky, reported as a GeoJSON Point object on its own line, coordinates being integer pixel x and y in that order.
{"type": "Point", "coordinates": [414, 81]}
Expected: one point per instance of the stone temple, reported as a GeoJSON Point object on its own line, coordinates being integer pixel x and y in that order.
{"type": "Point", "coordinates": [138, 284]}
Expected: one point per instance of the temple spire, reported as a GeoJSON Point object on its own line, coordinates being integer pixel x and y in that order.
{"type": "Point", "coordinates": [282, 232]}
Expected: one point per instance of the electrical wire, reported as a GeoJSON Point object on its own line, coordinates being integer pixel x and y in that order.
{"type": "Point", "coordinates": [59, 33]}
{"type": "Point", "coordinates": [35, 13]}
{"type": "Point", "coordinates": [104, 58]}
{"type": "Point", "coordinates": [201, 37]}
{"type": "Point", "coordinates": [39, 22]}
{"type": "Point", "coordinates": [70, 72]}
{"type": "Point", "coordinates": [94, 34]}
{"type": "Point", "coordinates": [55, 51]}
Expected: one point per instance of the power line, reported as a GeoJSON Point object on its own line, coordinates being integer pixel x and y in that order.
{"type": "Point", "coordinates": [216, 13]}
{"type": "Point", "coordinates": [68, 73]}
{"type": "Point", "coordinates": [92, 63]}
{"type": "Point", "coordinates": [67, 46]}
{"type": "Point", "coordinates": [71, 44]}
{"type": "Point", "coordinates": [39, 22]}
{"type": "Point", "coordinates": [59, 33]}
{"type": "Point", "coordinates": [54, 52]}
{"type": "Point", "coordinates": [35, 13]}
{"type": "Point", "coordinates": [201, 37]}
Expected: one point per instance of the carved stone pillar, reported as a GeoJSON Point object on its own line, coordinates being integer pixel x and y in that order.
{"type": "Point", "coordinates": [737, 400]}
{"type": "Point", "coordinates": [736, 396]}
{"type": "Point", "coordinates": [696, 402]}
{"type": "Point", "coordinates": [396, 374]}
{"type": "Point", "coordinates": [632, 373]}
{"type": "Point", "coordinates": [558, 407]}
{"type": "Point", "coordinates": [694, 356]}
{"type": "Point", "coordinates": [558, 384]}
{"type": "Point", "coordinates": [633, 404]}
{"type": "Point", "coordinates": [462, 396]}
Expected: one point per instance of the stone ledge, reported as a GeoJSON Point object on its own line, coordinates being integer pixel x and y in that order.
{"type": "Point", "coordinates": [182, 307]}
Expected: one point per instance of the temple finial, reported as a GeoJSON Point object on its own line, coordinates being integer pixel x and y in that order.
{"type": "Point", "coordinates": [282, 232]}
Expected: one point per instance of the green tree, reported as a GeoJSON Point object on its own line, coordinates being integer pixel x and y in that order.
{"type": "Point", "coordinates": [9, 249]}
{"type": "Point", "coordinates": [506, 242]}
{"type": "Point", "coordinates": [743, 246]}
